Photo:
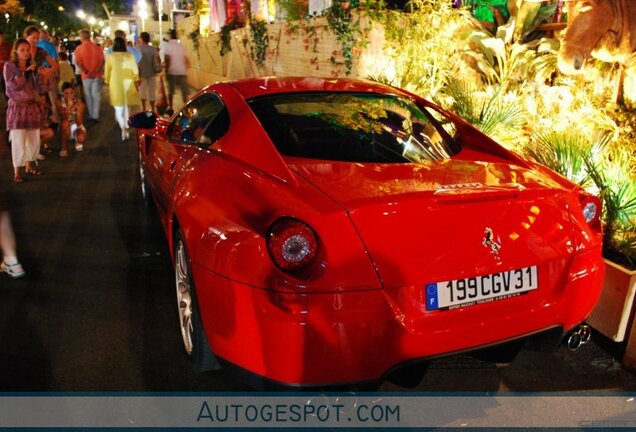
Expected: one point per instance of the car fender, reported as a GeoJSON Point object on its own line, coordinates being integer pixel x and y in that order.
{"type": "Point", "coordinates": [225, 214]}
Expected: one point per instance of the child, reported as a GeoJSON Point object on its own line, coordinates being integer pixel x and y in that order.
{"type": "Point", "coordinates": [72, 114]}
{"type": "Point", "coordinates": [67, 74]}
{"type": "Point", "coordinates": [47, 131]}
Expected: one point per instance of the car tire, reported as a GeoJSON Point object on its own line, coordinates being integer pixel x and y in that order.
{"type": "Point", "coordinates": [193, 336]}
{"type": "Point", "coordinates": [143, 185]}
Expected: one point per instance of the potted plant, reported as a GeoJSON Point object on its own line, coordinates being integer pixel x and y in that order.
{"type": "Point", "coordinates": [614, 313]}
{"type": "Point", "coordinates": [605, 168]}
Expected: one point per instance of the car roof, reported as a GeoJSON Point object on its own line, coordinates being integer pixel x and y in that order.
{"type": "Point", "coordinates": [255, 87]}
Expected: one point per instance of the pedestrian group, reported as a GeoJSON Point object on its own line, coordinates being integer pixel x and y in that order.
{"type": "Point", "coordinates": [49, 96]}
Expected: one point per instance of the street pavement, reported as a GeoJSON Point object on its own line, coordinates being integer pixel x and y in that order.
{"type": "Point", "coordinates": [97, 310]}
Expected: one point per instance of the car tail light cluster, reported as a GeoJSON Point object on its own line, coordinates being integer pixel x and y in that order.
{"type": "Point", "coordinates": [292, 244]}
{"type": "Point", "coordinates": [591, 208]}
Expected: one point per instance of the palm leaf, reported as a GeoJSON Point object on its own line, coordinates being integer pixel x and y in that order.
{"type": "Point", "coordinates": [497, 115]}
{"type": "Point", "coordinates": [566, 152]}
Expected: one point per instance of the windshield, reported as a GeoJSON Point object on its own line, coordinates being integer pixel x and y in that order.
{"type": "Point", "coordinates": [353, 127]}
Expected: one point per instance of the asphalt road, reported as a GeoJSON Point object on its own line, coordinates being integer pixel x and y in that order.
{"type": "Point", "coordinates": [97, 310]}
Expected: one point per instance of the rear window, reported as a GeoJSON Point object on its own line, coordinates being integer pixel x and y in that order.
{"type": "Point", "coordinates": [353, 127]}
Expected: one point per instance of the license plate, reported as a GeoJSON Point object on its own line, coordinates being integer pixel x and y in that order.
{"type": "Point", "coordinates": [481, 289]}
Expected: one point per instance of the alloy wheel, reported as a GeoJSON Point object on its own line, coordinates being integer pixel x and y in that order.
{"type": "Point", "coordinates": [142, 179]}
{"type": "Point", "coordinates": [184, 295]}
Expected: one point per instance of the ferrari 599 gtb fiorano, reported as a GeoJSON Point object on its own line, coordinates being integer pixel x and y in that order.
{"type": "Point", "coordinates": [331, 231]}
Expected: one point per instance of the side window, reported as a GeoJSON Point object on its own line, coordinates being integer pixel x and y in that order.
{"type": "Point", "coordinates": [190, 123]}
{"type": "Point", "coordinates": [218, 126]}
{"type": "Point", "coordinates": [179, 125]}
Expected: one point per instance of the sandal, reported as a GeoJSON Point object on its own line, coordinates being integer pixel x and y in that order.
{"type": "Point", "coordinates": [34, 171]}
{"type": "Point", "coordinates": [17, 179]}
{"type": "Point", "coordinates": [13, 270]}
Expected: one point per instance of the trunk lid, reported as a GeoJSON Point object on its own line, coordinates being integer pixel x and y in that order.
{"type": "Point", "coordinates": [429, 222]}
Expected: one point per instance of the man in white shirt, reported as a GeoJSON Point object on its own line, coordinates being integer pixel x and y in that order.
{"type": "Point", "coordinates": [176, 66]}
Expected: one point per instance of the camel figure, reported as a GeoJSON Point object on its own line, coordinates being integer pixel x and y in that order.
{"type": "Point", "coordinates": [602, 29]}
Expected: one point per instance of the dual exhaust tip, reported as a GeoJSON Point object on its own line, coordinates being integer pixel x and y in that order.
{"type": "Point", "coordinates": [577, 337]}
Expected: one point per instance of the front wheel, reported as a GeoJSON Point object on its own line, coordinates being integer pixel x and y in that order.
{"type": "Point", "coordinates": [194, 340]}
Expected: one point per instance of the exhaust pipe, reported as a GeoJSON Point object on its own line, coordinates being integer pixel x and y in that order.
{"type": "Point", "coordinates": [577, 337]}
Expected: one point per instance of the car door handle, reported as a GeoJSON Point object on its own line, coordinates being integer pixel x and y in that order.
{"type": "Point", "coordinates": [173, 164]}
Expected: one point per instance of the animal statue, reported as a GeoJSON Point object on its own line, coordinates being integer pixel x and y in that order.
{"type": "Point", "coordinates": [603, 29]}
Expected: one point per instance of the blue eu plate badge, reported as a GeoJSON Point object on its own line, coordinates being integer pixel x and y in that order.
{"type": "Point", "coordinates": [431, 297]}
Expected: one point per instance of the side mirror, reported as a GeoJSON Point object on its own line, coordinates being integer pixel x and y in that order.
{"type": "Point", "coordinates": [143, 120]}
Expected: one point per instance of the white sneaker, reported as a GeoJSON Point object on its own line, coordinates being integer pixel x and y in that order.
{"type": "Point", "coordinates": [79, 147]}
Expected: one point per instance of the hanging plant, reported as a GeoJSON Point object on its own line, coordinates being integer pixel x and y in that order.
{"type": "Point", "coordinates": [260, 41]}
{"type": "Point", "coordinates": [194, 36]}
{"type": "Point", "coordinates": [225, 35]}
{"type": "Point", "coordinates": [339, 19]}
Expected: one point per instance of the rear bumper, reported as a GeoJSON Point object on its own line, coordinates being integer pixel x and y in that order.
{"type": "Point", "coordinates": [330, 338]}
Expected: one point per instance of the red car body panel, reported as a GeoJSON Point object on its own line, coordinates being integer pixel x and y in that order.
{"type": "Point", "coordinates": [360, 335]}
{"type": "Point", "coordinates": [385, 231]}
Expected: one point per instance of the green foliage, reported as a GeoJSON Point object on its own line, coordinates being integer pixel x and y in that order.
{"type": "Point", "coordinates": [544, 62]}
{"type": "Point", "coordinates": [528, 18]}
{"type": "Point", "coordinates": [566, 152]}
{"type": "Point", "coordinates": [499, 61]}
{"type": "Point", "coordinates": [425, 44]}
{"type": "Point", "coordinates": [591, 162]}
{"type": "Point", "coordinates": [260, 41]}
{"type": "Point", "coordinates": [340, 22]}
{"type": "Point", "coordinates": [618, 192]}
{"type": "Point", "coordinates": [382, 79]}
{"type": "Point", "coordinates": [225, 35]}
{"type": "Point", "coordinates": [194, 36]}
{"type": "Point", "coordinates": [490, 110]}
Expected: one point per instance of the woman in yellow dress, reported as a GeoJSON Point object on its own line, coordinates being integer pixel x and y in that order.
{"type": "Point", "coordinates": [122, 78]}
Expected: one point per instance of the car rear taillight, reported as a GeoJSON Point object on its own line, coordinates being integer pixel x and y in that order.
{"type": "Point", "coordinates": [291, 244]}
{"type": "Point", "coordinates": [591, 208]}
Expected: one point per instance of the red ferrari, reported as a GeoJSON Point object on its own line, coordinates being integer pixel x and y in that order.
{"type": "Point", "coordinates": [337, 231]}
